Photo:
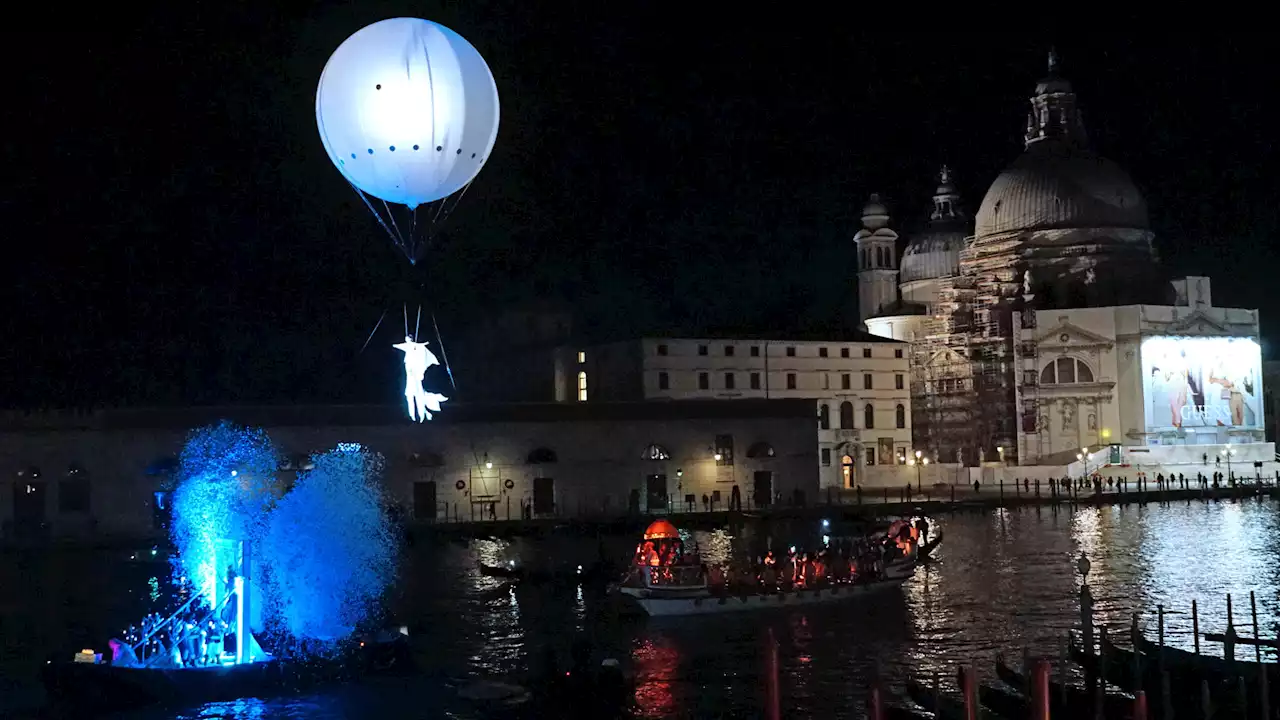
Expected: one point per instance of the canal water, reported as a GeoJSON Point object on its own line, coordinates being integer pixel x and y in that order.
{"type": "Point", "coordinates": [1003, 581]}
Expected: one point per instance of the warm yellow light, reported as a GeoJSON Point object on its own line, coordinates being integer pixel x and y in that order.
{"type": "Point", "coordinates": [911, 461]}
{"type": "Point", "coordinates": [918, 454]}
{"type": "Point", "coordinates": [1079, 456]}
{"type": "Point", "coordinates": [719, 457]}
{"type": "Point", "coordinates": [1106, 432]}
{"type": "Point", "coordinates": [1084, 450]}
{"type": "Point", "coordinates": [925, 461]}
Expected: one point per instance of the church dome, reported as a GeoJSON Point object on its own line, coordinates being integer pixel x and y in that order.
{"type": "Point", "coordinates": [935, 252]}
{"type": "Point", "coordinates": [1055, 185]}
{"type": "Point", "coordinates": [1059, 183]}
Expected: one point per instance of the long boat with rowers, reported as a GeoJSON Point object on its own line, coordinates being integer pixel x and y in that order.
{"type": "Point", "coordinates": [665, 580]}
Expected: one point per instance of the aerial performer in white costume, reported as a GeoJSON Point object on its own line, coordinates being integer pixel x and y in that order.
{"type": "Point", "coordinates": [407, 110]}
{"type": "Point", "coordinates": [417, 358]}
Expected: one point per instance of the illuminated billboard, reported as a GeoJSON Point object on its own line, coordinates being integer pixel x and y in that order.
{"type": "Point", "coordinates": [1190, 382]}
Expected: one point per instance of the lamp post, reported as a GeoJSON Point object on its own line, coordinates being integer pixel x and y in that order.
{"type": "Point", "coordinates": [919, 456]}
{"type": "Point", "coordinates": [1228, 452]}
{"type": "Point", "coordinates": [1000, 450]}
{"type": "Point", "coordinates": [1085, 460]}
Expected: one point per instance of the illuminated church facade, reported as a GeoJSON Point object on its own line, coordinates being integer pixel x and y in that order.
{"type": "Point", "coordinates": [1044, 331]}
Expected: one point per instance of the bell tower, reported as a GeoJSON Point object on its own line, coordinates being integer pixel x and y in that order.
{"type": "Point", "coordinates": [877, 261]}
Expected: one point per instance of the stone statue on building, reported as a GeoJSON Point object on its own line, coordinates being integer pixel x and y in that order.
{"type": "Point", "coordinates": [1068, 416]}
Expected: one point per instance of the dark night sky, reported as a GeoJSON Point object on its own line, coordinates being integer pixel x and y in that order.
{"type": "Point", "coordinates": [178, 235]}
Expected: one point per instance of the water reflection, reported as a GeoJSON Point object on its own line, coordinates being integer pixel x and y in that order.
{"type": "Point", "coordinates": [1001, 582]}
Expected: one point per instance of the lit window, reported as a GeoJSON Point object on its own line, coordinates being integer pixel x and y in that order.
{"type": "Point", "coordinates": [846, 464]}
{"type": "Point", "coordinates": [582, 387]}
{"type": "Point", "coordinates": [582, 357]}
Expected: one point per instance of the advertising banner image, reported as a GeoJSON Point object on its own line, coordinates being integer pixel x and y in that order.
{"type": "Point", "coordinates": [1190, 382]}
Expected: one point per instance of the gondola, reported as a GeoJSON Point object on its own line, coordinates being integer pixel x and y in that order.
{"type": "Point", "coordinates": [1205, 664]}
{"type": "Point", "coordinates": [1072, 700]}
{"type": "Point", "coordinates": [1185, 683]}
{"type": "Point", "coordinates": [941, 704]}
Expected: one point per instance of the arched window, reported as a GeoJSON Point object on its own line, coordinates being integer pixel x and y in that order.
{"type": "Point", "coordinates": [582, 387]}
{"type": "Point", "coordinates": [900, 416]}
{"type": "Point", "coordinates": [824, 416]}
{"type": "Point", "coordinates": [869, 417]}
{"type": "Point", "coordinates": [846, 415]}
{"type": "Point", "coordinates": [1066, 371]}
{"type": "Point", "coordinates": [656, 452]}
{"type": "Point", "coordinates": [846, 467]}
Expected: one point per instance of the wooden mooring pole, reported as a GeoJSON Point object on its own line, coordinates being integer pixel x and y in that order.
{"type": "Point", "coordinates": [1195, 625]}
{"type": "Point", "coordinates": [1140, 705]}
{"type": "Point", "coordinates": [1229, 642]}
{"type": "Point", "coordinates": [1253, 612]}
{"type": "Point", "coordinates": [970, 691]}
{"type": "Point", "coordinates": [773, 699]}
{"type": "Point", "coordinates": [1040, 691]}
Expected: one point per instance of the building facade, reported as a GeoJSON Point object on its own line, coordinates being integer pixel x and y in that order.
{"type": "Point", "coordinates": [1138, 375]}
{"type": "Point", "coordinates": [107, 474]}
{"type": "Point", "coordinates": [1060, 260]}
{"type": "Point", "coordinates": [858, 387]}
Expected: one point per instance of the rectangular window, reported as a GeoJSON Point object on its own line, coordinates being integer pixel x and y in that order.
{"type": "Point", "coordinates": [582, 387]}
{"type": "Point", "coordinates": [662, 349]}
{"type": "Point", "coordinates": [866, 381]}
{"type": "Point", "coordinates": [728, 351]}
{"type": "Point", "coordinates": [866, 352]}
{"type": "Point", "coordinates": [898, 382]}
{"type": "Point", "coordinates": [755, 351]}
{"type": "Point", "coordinates": [844, 352]}
{"type": "Point", "coordinates": [724, 450]}
{"type": "Point", "coordinates": [871, 456]}
{"type": "Point", "coordinates": [582, 357]}
{"type": "Point", "coordinates": [702, 349]}
{"type": "Point", "coordinates": [846, 382]}
{"type": "Point", "coordinates": [822, 352]}
{"type": "Point", "coordinates": [791, 352]}
{"type": "Point", "coordinates": [826, 457]}
{"type": "Point", "coordinates": [897, 352]}
{"type": "Point", "coordinates": [728, 381]}
{"type": "Point", "coordinates": [755, 381]}
{"type": "Point", "coordinates": [664, 382]}
{"type": "Point", "coordinates": [1028, 377]}
{"type": "Point", "coordinates": [791, 381]}
{"type": "Point", "coordinates": [826, 381]}
{"type": "Point", "coordinates": [704, 381]}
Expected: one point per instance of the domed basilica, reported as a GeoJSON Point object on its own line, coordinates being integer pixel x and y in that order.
{"type": "Point", "coordinates": [1056, 267]}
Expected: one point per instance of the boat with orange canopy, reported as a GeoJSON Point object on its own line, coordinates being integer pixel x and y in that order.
{"type": "Point", "coordinates": [664, 579]}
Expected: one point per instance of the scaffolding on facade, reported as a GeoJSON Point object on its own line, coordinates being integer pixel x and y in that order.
{"type": "Point", "coordinates": [963, 389]}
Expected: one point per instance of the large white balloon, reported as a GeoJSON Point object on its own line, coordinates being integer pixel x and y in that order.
{"type": "Point", "coordinates": [408, 110]}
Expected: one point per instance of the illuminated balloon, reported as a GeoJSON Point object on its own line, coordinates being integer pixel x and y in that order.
{"type": "Point", "coordinates": [407, 110]}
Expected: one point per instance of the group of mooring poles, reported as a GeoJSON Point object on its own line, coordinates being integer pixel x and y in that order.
{"type": "Point", "coordinates": [1229, 640]}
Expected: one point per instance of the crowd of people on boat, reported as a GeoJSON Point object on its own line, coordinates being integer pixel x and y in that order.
{"type": "Point", "coordinates": [844, 560]}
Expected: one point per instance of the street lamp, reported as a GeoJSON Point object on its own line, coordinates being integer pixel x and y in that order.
{"type": "Point", "coordinates": [1000, 450]}
{"type": "Point", "coordinates": [919, 455]}
{"type": "Point", "coordinates": [1085, 460]}
{"type": "Point", "coordinates": [1228, 451]}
